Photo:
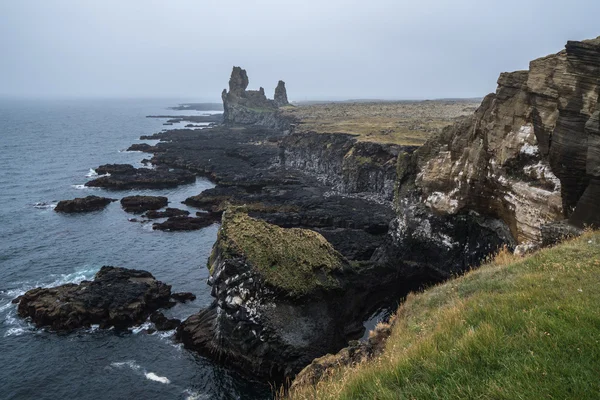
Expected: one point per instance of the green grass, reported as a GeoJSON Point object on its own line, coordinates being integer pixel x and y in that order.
{"type": "Point", "coordinates": [513, 329]}
{"type": "Point", "coordinates": [296, 261]}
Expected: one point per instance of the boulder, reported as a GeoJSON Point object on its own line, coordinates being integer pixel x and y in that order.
{"type": "Point", "coordinates": [183, 297]}
{"type": "Point", "coordinates": [139, 204]}
{"type": "Point", "coordinates": [167, 213]}
{"type": "Point", "coordinates": [116, 297]}
{"type": "Point", "coordinates": [83, 204]}
{"type": "Point", "coordinates": [184, 223]}
{"type": "Point", "coordinates": [280, 97]}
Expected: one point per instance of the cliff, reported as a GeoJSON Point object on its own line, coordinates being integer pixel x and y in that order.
{"type": "Point", "coordinates": [530, 154]}
{"type": "Point", "coordinates": [252, 107]}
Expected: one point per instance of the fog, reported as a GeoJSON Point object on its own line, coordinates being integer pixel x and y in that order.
{"type": "Point", "coordinates": [327, 49]}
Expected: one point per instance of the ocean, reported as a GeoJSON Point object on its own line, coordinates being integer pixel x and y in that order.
{"type": "Point", "coordinates": [48, 151]}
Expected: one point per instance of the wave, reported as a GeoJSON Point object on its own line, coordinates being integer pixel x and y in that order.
{"type": "Point", "coordinates": [17, 325]}
{"type": "Point", "coordinates": [44, 206]}
{"type": "Point", "coordinates": [138, 368]}
{"type": "Point", "coordinates": [83, 187]}
{"type": "Point", "coordinates": [91, 174]}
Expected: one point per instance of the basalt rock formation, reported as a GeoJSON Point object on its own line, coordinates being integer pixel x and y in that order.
{"type": "Point", "coordinates": [529, 155]}
{"type": "Point", "coordinates": [139, 204]}
{"type": "Point", "coordinates": [282, 298]}
{"type": "Point", "coordinates": [125, 176]}
{"type": "Point", "coordinates": [252, 107]}
{"type": "Point", "coordinates": [116, 297]}
{"type": "Point", "coordinates": [83, 204]}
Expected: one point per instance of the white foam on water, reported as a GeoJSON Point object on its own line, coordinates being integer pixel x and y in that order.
{"type": "Point", "coordinates": [131, 364]}
{"type": "Point", "coordinates": [140, 328]}
{"type": "Point", "coordinates": [153, 377]}
{"type": "Point", "coordinates": [92, 173]}
{"type": "Point", "coordinates": [83, 187]}
{"type": "Point", "coordinates": [44, 206]}
{"type": "Point", "coordinates": [192, 395]}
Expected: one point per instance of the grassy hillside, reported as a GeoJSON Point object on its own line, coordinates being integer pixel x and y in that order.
{"type": "Point", "coordinates": [517, 328]}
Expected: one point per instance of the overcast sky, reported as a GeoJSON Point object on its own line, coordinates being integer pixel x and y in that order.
{"type": "Point", "coordinates": [322, 48]}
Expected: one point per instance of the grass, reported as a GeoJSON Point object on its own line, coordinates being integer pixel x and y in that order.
{"type": "Point", "coordinates": [296, 261]}
{"type": "Point", "coordinates": [516, 328]}
{"type": "Point", "coordinates": [403, 123]}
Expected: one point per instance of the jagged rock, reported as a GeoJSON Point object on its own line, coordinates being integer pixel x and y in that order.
{"type": "Point", "coordinates": [144, 147]}
{"type": "Point", "coordinates": [163, 323]}
{"type": "Point", "coordinates": [167, 213]}
{"type": "Point", "coordinates": [184, 223]}
{"type": "Point", "coordinates": [139, 204]}
{"type": "Point", "coordinates": [247, 107]}
{"type": "Point", "coordinates": [83, 204]}
{"type": "Point", "coordinates": [280, 96]}
{"type": "Point", "coordinates": [529, 154]}
{"type": "Point", "coordinates": [183, 297]}
{"type": "Point", "coordinates": [125, 176]}
{"type": "Point", "coordinates": [116, 297]}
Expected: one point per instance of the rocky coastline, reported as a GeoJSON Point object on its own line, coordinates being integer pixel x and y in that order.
{"type": "Point", "coordinates": [319, 230]}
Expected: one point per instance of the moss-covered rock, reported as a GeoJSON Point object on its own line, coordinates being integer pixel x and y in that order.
{"type": "Point", "coordinates": [295, 261]}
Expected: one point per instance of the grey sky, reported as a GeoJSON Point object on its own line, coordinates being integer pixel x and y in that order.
{"type": "Point", "coordinates": [321, 48]}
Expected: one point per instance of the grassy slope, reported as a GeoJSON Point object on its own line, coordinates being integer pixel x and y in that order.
{"type": "Point", "coordinates": [513, 329]}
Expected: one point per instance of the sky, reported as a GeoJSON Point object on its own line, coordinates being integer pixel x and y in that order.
{"type": "Point", "coordinates": [323, 49]}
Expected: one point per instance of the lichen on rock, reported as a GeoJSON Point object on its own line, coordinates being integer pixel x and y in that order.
{"type": "Point", "coordinates": [294, 261]}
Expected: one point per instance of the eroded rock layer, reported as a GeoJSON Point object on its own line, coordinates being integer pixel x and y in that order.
{"type": "Point", "coordinates": [530, 153]}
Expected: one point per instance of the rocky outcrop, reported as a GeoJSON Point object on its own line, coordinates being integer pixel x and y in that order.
{"type": "Point", "coordinates": [529, 155]}
{"type": "Point", "coordinates": [139, 204]}
{"type": "Point", "coordinates": [280, 97]}
{"type": "Point", "coordinates": [83, 204]}
{"type": "Point", "coordinates": [349, 166]}
{"type": "Point", "coordinates": [284, 297]}
{"type": "Point", "coordinates": [252, 107]}
{"type": "Point", "coordinates": [185, 223]}
{"type": "Point", "coordinates": [125, 176]}
{"type": "Point", "coordinates": [116, 297]}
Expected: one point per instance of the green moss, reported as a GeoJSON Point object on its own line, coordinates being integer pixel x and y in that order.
{"type": "Point", "coordinates": [297, 261]}
{"type": "Point", "coordinates": [513, 329]}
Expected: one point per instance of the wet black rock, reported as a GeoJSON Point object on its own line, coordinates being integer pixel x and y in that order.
{"type": "Point", "coordinates": [184, 223]}
{"type": "Point", "coordinates": [163, 323]}
{"type": "Point", "coordinates": [183, 297]}
{"type": "Point", "coordinates": [83, 204]}
{"type": "Point", "coordinates": [118, 297]}
{"type": "Point", "coordinates": [167, 213]}
{"type": "Point", "coordinates": [139, 204]}
{"type": "Point", "coordinates": [125, 176]}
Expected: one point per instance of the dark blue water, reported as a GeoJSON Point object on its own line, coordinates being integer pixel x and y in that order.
{"type": "Point", "coordinates": [47, 149]}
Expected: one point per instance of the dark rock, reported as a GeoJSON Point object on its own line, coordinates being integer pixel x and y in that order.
{"type": "Point", "coordinates": [246, 107]}
{"type": "Point", "coordinates": [163, 323]}
{"type": "Point", "coordinates": [116, 297]}
{"type": "Point", "coordinates": [183, 297]}
{"type": "Point", "coordinates": [139, 204]}
{"type": "Point", "coordinates": [144, 147]}
{"type": "Point", "coordinates": [167, 213]}
{"type": "Point", "coordinates": [183, 223]}
{"type": "Point", "coordinates": [555, 232]}
{"type": "Point", "coordinates": [85, 204]}
{"type": "Point", "coordinates": [115, 169]}
{"type": "Point", "coordinates": [124, 176]}
{"type": "Point", "coordinates": [280, 97]}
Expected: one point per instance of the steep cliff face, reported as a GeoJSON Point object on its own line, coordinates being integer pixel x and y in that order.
{"type": "Point", "coordinates": [252, 107]}
{"type": "Point", "coordinates": [349, 166]}
{"type": "Point", "coordinates": [530, 154]}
